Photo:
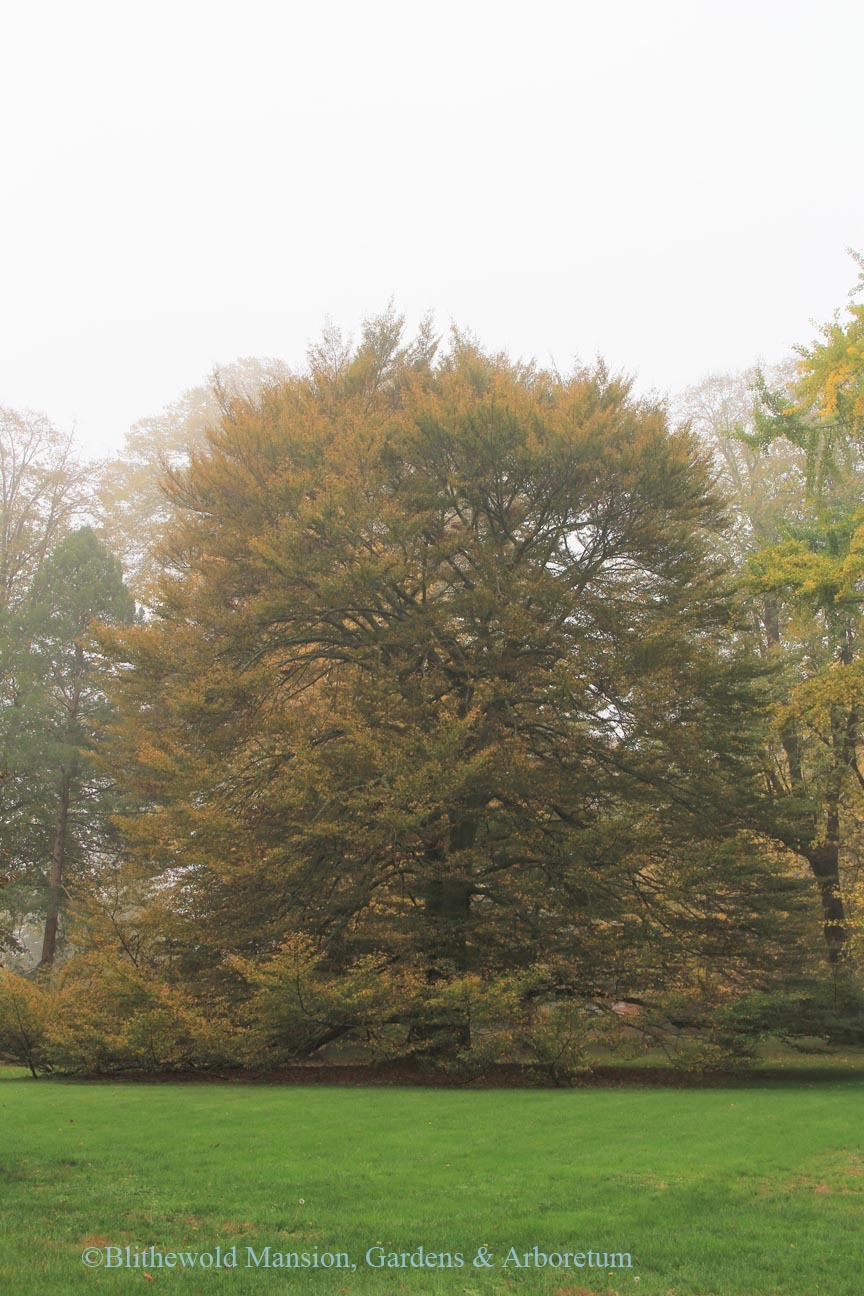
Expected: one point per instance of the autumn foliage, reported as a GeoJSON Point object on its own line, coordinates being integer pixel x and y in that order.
{"type": "Point", "coordinates": [446, 681]}
{"type": "Point", "coordinates": [450, 726]}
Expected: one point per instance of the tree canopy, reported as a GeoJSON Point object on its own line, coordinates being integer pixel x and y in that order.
{"type": "Point", "coordinates": [447, 671]}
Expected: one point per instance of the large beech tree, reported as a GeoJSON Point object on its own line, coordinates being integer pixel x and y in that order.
{"type": "Point", "coordinates": [446, 670]}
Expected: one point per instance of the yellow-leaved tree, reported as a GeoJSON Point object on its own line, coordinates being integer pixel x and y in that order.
{"type": "Point", "coordinates": [446, 680]}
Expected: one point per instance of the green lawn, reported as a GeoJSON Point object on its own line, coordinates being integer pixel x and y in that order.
{"type": "Point", "coordinates": [748, 1191]}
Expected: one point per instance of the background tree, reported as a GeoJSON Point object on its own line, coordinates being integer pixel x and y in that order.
{"type": "Point", "coordinates": [42, 495]}
{"type": "Point", "coordinates": [42, 492]}
{"type": "Point", "coordinates": [764, 481]}
{"type": "Point", "coordinates": [134, 510]}
{"type": "Point", "coordinates": [824, 413]}
{"type": "Point", "coordinates": [59, 823]}
{"type": "Point", "coordinates": [792, 462]}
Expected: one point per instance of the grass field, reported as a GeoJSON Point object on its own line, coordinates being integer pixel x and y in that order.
{"type": "Point", "coordinates": [751, 1191]}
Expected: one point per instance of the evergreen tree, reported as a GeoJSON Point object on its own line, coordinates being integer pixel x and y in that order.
{"type": "Point", "coordinates": [56, 823]}
{"type": "Point", "coordinates": [42, 493]}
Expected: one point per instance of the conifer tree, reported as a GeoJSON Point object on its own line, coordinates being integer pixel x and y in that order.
{"type": "Point", "coordinates": [58, 824]}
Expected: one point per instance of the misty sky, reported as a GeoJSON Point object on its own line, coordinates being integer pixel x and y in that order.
{"type": "Point", "coordinates": [673, 185]}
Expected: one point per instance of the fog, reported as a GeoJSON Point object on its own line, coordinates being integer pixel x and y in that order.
{"type": "Point", "coordinates": [672, 185]}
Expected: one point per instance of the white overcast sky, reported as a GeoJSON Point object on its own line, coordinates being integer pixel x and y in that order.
{"type": "Point", "coordinates": [673, 185]}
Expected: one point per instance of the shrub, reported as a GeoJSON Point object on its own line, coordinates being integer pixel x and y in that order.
{"type": "Point", "coordinates": [24, 1015]}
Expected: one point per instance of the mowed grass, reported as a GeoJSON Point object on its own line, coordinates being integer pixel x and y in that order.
{"type": "Point", "coordinates": [751, 1191]}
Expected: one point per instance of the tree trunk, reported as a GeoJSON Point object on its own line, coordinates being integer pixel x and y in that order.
{"type": "Point", "coordinates": [825, 864]}
{"type": "Point", "coordinates": [448, 910]}
{"type": "Point", "coordinates": [824, 860]}
{"type": "Point", "coordinates": [448, 904]}
{"type": "Point", "coordinates": [55, 883]}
